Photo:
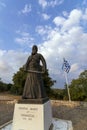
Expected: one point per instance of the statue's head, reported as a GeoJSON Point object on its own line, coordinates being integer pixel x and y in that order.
{"type": "Point", "coordinates": [34, 49]}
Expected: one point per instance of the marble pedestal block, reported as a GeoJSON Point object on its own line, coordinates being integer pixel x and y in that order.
{"type": "Point", "coordinates": [32, 116]}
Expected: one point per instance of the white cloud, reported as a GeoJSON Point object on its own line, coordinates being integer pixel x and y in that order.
{"type": "Point", "coordinates": [24, 38]}
{"type": "Point", "coordinates": [67, 23]}
{"type": "Point", "coordinates": [27, 9]}
{"type": "Point", "coordinates": [45, 16]}
{"type": "Point", "coordinates": [52, 3]}
{"type": "Point", "coordinates": [42, 30]}
{"type": "Point", "coordinates": [74, 67]}
{"type": "Point", "coordinates": [43, 3]}
{"type": "Point", "coordinates": [65, 13]}
{"type": "Point", "coordinates": [10, 62]}
{"type": "Point", "coordinates": [73, 19]}
{"type": "Point", "coordinates": [59, 20]}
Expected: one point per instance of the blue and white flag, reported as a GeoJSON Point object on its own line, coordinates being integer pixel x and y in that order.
{"type": "Point", "coordinates": [66, 66]}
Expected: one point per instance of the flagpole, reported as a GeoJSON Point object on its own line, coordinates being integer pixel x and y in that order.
{"type": "Point", "coordinates": [67, 86]}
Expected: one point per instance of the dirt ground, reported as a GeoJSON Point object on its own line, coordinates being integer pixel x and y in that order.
{"type": "Point", "coordinates": [78, 115]}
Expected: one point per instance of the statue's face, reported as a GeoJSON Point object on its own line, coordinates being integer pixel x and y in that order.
{"type": "Point", "coordinates": [34, 50]}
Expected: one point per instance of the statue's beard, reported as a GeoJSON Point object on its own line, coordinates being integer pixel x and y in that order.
{"type": "Point", "coordinates": [34, 52]}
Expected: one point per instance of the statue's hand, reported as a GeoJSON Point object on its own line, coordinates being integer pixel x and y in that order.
{"type": "Point", "coordinates": [24, 68]}
{"type": "Point", "coordinates": [43, 70]}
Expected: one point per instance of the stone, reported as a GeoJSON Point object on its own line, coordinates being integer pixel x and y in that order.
{"type": "Point", "coordinates": [32, 116]}
{"type": "Point", "coordinates": [57, 124]}
{"type": "Point", "coordinates": [33, 101]}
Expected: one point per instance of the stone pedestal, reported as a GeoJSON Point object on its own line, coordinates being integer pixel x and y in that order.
{"type": "Point", "coordinates": [32, 116]}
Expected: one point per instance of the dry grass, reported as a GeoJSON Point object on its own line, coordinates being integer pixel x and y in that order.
{"type": "Point", "coordinates": [7, 95]}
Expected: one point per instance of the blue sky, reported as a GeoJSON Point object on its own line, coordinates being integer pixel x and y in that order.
{"type": "Point", "coordinates": [58, 27]}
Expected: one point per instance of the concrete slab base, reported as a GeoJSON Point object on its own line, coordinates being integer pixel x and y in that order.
{"type": "Point", "coordinates": [58, 124]}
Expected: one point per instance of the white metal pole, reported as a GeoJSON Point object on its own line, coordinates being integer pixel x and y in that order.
{"type": "Point", "coordinates": [67, 85]}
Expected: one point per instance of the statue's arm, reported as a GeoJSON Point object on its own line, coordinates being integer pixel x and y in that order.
{"type": "Point", "coordinates": [43, 63]}
{"type": "Point", "coordinates": [26, 66]}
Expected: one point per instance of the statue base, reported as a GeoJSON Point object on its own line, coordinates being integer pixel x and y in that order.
{"type": "Point", "coordinates": [33, 101]}
{"type": "Point", "coordinates": [32, 116]}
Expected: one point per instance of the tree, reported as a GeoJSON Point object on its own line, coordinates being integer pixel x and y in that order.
{"type": "Point", "coordinates": [78, 87]}
{"type": "Point", "coordinates": [57, 94]}
{"type": "Point", "coordinates": [48, 83]}
{"type": "Point", "coordinates": [4, 86]}
{"type": "Point", "coordinates": [83, 75]}
{"type": "Point", "coordinates": [19, 81]}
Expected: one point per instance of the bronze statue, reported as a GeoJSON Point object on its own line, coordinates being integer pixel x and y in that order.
{"type": "Point", "coordinates": [34, 86]}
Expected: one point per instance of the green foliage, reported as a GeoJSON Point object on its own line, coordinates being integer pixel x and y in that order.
{"type": "Point", "coordinates": [78, 87]}
{"type": "Point", "coordinates": [19, 81]}
{"type": "Point", "coordinates": [48, 83]}
{"type": "Point", "coordinates": [4, 87]}
{"type": "Point", "coordinates": [57, 94]}
{"type": "Point", "coordinates": [83, 75]}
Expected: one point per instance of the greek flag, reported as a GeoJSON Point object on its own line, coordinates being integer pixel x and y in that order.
{"type": "Point", "coordinates": [66, 66]}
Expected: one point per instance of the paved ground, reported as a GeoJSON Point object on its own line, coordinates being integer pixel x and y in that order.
{"type": "Point", "coordinates": [78, 115]}
{"type": "Point", "coordinates": [6, 112]}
